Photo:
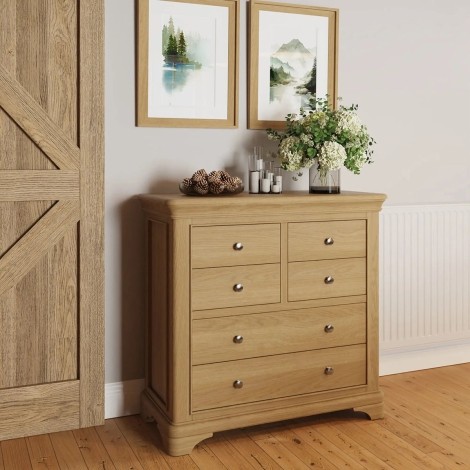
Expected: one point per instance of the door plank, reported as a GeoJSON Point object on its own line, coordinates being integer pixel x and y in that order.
{"type": "Point", "coordinates": [38, 409]}
{"type": "Point", "coordinates": [26, 185]}
{"type": "Point", "coordinates": [37, 124]}
{"type": "Point", "coordinates": [37, 242]}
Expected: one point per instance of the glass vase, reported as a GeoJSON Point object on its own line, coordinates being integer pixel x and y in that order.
{"type": "Point", "coordinates": [324, 182]}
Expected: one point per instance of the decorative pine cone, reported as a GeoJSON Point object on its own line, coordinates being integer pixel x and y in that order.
{"type": "Point", "coordinates": [199, 175]}
{"type": "Point", "coordinates": [187, 183]}
{"type": "Point", "coordinates": [214, 177]}
{"type": "Point", "coordinates": [232, 184]}
{"type": "Point", "coordinates": [217, 187]}
{"type": "Point", "coordinates": [201, 187]}
{"type": "Point", "coordinates": [224, 176]}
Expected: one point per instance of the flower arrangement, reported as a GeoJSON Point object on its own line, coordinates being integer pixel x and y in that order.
{"type": "Point", "coordinates": [329, 137]}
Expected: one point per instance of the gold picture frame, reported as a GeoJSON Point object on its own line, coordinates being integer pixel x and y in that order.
{"type": "Point", "coordinates": [278, 72]}
{"type": "Point", "coordinates": [183, 80]}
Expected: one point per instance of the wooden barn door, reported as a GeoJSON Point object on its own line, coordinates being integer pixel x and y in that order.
{"type": "Point", "coordinates": [51, 231]}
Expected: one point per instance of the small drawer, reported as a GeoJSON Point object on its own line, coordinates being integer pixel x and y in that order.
{"type": "Point", "coordinates": [266, 334]}
{"type": "Point", "coordinates": [327, 278]}
{"type": "Point", "coordinates": [235, 286]}
{"type": "Point", "coordinates": [264, 378]}
{"type": "Point", "coordinates": [235, 245]}
{"type": "Point", "coordinates": [327, 240]}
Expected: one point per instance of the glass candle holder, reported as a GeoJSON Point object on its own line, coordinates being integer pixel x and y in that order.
{"type": "Point", "coordinates": [265, 181]}
{"type": "Point", "coordinates": [276, 186]}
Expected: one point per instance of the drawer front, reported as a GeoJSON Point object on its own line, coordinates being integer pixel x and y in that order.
{"type": "Point", "coordinates": [235, 286]}
{"type": "Point", "coordinates": [265, 334]}
{"type": "Point", "coordinates": [235, 245]}
{"type": "Point", "coordinates": [215, 385]}
{"type": "Point", "coordinates": [326, 278]}
{"type": "Point", "coordinates": [327, 240]}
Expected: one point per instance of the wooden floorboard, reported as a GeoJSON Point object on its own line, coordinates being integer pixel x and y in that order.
{"type": "Point", "coordinates": [426, 426]}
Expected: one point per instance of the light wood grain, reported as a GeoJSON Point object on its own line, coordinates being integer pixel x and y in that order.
{"type": "Point", "coordinates": [302, 372]}
{"type": "Point", "coordinates": [41, 452]}
{"type": "Point", "coordinates": [44, 163]}
{"type": "Point", "coordinates": [38, 409]}
{"type": "Point", "coordinates": [91, 250]}
{"type": "Point", "coordinates": [285, 336]}
{"type": "Point", "coordinates": [214, 287]}
{"type": "Point", "coordinates": [266, 334]}
{"type": "Point", "coordinates": [37, 242]}
{"type": "Point", "coordinates": [214, 245]}
{"type": "Point", "coordinates": [344, 439]}
{"type": "Point", "coordinates": [307, 240]}
{"type": "Point", "coordinates": [38, 185]}
{"type": "Point", "coordinates": [307, 279]}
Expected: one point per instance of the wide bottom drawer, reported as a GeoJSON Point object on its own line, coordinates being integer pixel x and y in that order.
{"type": "Point", "coordinates": [250, 380]}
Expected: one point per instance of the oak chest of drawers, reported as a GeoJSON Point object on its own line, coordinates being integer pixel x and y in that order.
{"type": "Point", "coordinates": [260, 308]}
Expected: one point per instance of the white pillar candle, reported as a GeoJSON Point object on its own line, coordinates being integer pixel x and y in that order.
{"type": "Point", "coordinates": [254, 182]}
{"type": "Point", "coordinates": [265, 185]}
{"type": "Point", "coordinates": [276, 189]}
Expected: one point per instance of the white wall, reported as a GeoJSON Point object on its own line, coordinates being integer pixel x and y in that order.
{"type": "Point", "coordinates": [404, 62]}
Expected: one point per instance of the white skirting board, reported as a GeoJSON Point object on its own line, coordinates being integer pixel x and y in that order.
{"type": "Point", "coordinates": [123, 398]}
{"type": "Point", "coordinates": [424, 287]}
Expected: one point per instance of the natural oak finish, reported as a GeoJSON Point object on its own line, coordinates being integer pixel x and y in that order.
{"type": "Point", "coordinates": [51, 217]}
{"type": "Point", "coordinates": [309, 279]}
{"type": "Point", "coordinates": [277, 376]}
{"type": "Point", "coordinates": [265, 334]}
{"type": "Point", "coordinates": [287, 364]}
{"type": "Point", "coordinates": [215, 287]}
{"type": "Point", "coordinates": [217, 246]}
{"type": "Point", "coordinates": [310, 241]}
{"type": "Point", "coordinates": [422, 429]}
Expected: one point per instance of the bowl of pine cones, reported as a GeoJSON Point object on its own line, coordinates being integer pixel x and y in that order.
{"type": "Point", "coordinates": [217, 183]}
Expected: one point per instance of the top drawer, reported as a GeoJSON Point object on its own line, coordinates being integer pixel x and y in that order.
{"type": "Point", "coordinates": [235, 245]}
{"type": "Point", "coordinates": [327, 240]}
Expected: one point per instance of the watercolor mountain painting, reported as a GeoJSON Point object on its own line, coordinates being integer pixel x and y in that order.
{"type": "Point", "coordinates": [293, 70]}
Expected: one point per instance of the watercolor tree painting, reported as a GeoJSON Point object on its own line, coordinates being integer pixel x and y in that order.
{"type": "Point", "coordinates": [187, 57]}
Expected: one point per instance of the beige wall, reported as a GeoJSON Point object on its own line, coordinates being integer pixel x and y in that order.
{"type": "Point", "coordinates": [405, 63]}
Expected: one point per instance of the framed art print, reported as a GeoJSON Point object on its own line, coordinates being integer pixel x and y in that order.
{"type": "Point", "coordinates": [293, 55]}
{"type": "Point", "coordinates": [187, 63]}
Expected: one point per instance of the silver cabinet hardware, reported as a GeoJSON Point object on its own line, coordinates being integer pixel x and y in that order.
{"type": "Point", "coordinates": [238, 384]}
{"type": "Point", "coordinates": [329, 280]}
{"type": "Point", "coordinates": [238, 246]}
{"type": "Point", "coordinates": [238, 339]}
{"type": "Point", "coordinates": [329, 241]}
{"type": "Point", "coordinates": [238, 287]}
{"type": "Point", "coordinates": [328, 371]}
{"type": "Point", "coordinates": [329, 329]}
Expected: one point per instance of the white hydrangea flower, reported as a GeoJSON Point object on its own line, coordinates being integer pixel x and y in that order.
{"type": "Point", "coordinates": [317, 117]}
{"type": "Point", "coordinates": [349, 121]}
{"type": "Point", "coordinates": [291, 157]}
{"type": "Point", "coordinates": [331, 156]}
{"type": "Point", "coordinates": [307, 139]}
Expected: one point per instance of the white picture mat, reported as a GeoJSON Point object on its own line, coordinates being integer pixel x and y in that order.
{"type": "Point", "coordinates": [276, 29]}
{"type": "Point", "coordinates": [206, 96]}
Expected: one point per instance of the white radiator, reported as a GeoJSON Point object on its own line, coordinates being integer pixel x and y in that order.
{"type": "Point", "coordinates": [424, 286]}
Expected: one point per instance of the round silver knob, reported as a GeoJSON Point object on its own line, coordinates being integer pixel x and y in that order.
{"type": "Point", "coordinates": [329, 241]}
{"type": "Point", "coordinates": [238, 246]}
{"type": "Point", "coordinates": [238, 384]}
{"type": "Point", "coordinates": [329, 329]}
{"type": "Point", "coordinates": [238, 339]}
{"type": "Point", "coordinates": [238, 287]}
{"type": "Point", "coordinates": [329, 280]}
{"type": "Point", "coordinates": [329, 370]}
